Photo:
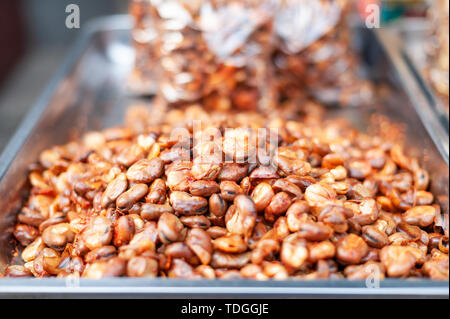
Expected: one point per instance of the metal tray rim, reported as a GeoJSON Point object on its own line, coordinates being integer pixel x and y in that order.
{"type": "Point", "coordinates": [389, 287]}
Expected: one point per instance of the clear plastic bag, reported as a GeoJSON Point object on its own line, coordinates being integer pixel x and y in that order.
{"type": "Point", "coordinates": [438, 55]}
{"type": "Point", "coordinates": [250, 54]}
{"type": "Point", "coordinates": [215, 51]}
{"type": "Point", "coordinates": [143, 79]}
{"type": "Point", "coordinates": [314, 53]}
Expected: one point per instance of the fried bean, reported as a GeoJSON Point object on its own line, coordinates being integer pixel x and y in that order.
{"type": "Point", "coordinates": [203, 188]}
{"type": "Point", "coordinates": [351, 249]}
{"type": "Point", "coordinates": [145, 171]}
{"type": "Point", "coordinates": [294, 252]}
{"type": "Point", "coordinates": [229, 190]}
{"type": "Point", "coordinates": [57, 236]}
{"type": "Point", "coordinates": [114, 190]}
{"type": "Point", "coordinates": [154, 211]}
{"type": "Point", "coordinates": [230, 243]}
{"type": "Point", "coordinates": [422, 216]}
{"type": "Point", "coordinates": [230, 261]}
{"type": "Point", "coordinates": [98, 233]}
{"type": "Point", "coordinates": [132, 196]}
{"type": "Point", "coordinates": [186, 204]}
{"type": "Point", "coordinates": [262, 196]}
{"type": "Point", "coordinates": [25, 234]}
{"type": "Point", "coordinates": [169, 228]}
{"type": "Point", "coordinates": [142, 267]}
{"type": "Point", "coordinates": [398, 260]}
{"type": "Point", "coordinates": [277, 206]}
{"type": "Point", "coordinates": [242, 218]}
{"type": "Point", "coordinates": [200, 243]}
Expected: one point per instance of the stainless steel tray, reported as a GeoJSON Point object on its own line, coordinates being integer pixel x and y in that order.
{"type": "Point", "coordinates": [89, 93]}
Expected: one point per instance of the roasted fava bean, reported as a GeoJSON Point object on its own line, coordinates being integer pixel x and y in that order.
{"type": "Point", "coordinates": [157, 192]}
{"type": "Point", "coordinates": [230, 243]}
{"type": "Point", "coordinates": [367, 270]}
{"type": "Point", "coordinates": [179, 250]}
{"type": "Point", "coordinates": [294, 252]}
{"type": "Point", "coordinates": [203, 188]}
{"type": "Point", "coordinates": [321, 250]}
{"type": "Point", "coordinates": [154, 211]}
{"type": "Point", "coordinates": [217, 205]}
{"type": "Point", "coordinates": [283, 185]}
{"type": "Point", "coordinates": [200, 243]}
{"type": "Point", "coordinates": [224, 260]}
{"type": "Point", "coordinates": [319, 195]}
{"type": "Point", "coordinates": [262, 196]}
{"type": "Point", "coordinates": [25, 234]}
{"type": "Point", "coordinates": [181, 269]}
{"type": "Point", "coordinates": [196, 221]}
{"type": "Point", "coordinates": [242, 218]}
{"type": "Point", "coordinates": [335, 217]}
{"type": "Point", "coordinates": [296, 214]}
{"type": "Point", "coordinates": [57, 236]}
{"type": "Point", "coordinates": [291, 165]}
{"type": "Point", "coordinates": [351, 249]}
{"type": "Point", "coordinates": [186, 204]}
{"type": "Point", "coordinates": [142, 267]}
{"type": "Point", "coordinates": [98, 233]}
{"type": "Point", "coordinates": [114, 267]}
{"type": "Point", "coordinates": [145, 171]}
{"type": "Point", "coordinates": [206, 272]}
{"type": "Point", "coordinates": [324, 201]}
{"type": "Point", "coordinates": [102, 253]}
{"type": "Point", "coordinates": [277, 206]}
{"type": "Point", "coordinates": [398, 260]}
{"type": "Point", "coordinates": [169, 228]}
{"type": "Point", "coordinates": [422, 216]}
{"type": "Point", "coordinates": [215, 232]}
{"type": "Point", "coordinates": [17, 271]}
{"type": "Point", "coordinates": [229, 190]}
{"type": "Point", "coordinates": [49, 260]}
{"type": "Point", "coordinates": [375, 237]}
{"type": "Point", "coordinates": [233, 172]}
{"type": "Point", "coordinates": [33, 250]}
{"type": "Point", "coordinates": [314, 231]}
{"type": "Point", "coordinates": [264, 248]}
{"type": "Point", "coordinates": [367, 213]}
{"type": "Point", "coordinates": [114, 190]}
{"type": "Point", "coordinates": [123, 231]}
{"type": "Point", "coordinates": [132, 196]}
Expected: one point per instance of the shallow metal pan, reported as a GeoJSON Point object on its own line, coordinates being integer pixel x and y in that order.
{"type": "Point", "coordinates": [89, 92]}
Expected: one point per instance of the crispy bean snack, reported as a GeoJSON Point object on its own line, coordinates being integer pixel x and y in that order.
{"type": "Point", "coordinates": [191, 194]}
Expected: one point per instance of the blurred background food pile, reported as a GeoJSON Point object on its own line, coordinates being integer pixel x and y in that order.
{"type": "Point", "coordinates": [270, 52]}
{"type": "Point", "coordinates": [438, 63]}
{"type": "Point", "coordinates": [319, 63]}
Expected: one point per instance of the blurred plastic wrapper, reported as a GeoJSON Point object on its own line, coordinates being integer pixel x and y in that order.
{"type": "Point", "coordinates": [248, 54]}
{"type": "Point", "coordinates": [314, 53]}
{"type": "Point", "coordinates": [438, 51]}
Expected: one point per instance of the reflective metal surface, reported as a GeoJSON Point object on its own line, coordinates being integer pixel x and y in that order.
{"type": "Point", "coordinates": [90, 93]}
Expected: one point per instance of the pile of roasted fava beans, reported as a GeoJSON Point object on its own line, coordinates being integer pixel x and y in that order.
{"type": "Point", "coordinates": [193, 194]}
